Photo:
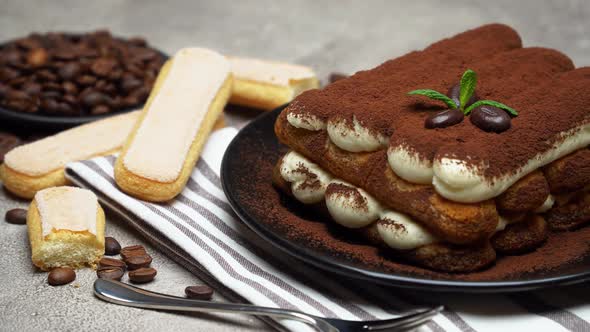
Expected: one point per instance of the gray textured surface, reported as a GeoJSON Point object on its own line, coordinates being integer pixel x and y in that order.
{"type": "Point", "coordinates": [329, 35]}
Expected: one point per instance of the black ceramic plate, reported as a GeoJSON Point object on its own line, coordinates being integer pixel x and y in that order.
{"type": "Point", "coordinates": [25, 121]}
{"type": "Point", "coordinates": [238, 167]}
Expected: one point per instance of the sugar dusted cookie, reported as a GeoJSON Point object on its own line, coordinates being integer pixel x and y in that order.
{"type": "Point", "coordinates": [66, 228]}
{"type": "Point", "coordinates": [189, 96]}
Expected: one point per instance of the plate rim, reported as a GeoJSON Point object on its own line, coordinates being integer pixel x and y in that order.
{"type": "Point", "coordinates": [324, 262]}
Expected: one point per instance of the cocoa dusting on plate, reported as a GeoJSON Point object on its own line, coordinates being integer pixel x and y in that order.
{"type": "Point", "coordinates": [300, 224]}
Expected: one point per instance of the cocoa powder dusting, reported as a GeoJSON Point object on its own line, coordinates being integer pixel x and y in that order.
{"type": "Point", "coordinates": [340, 189]}
{"type": "Point", "coordinates": [541, 84]}
{"type": "Point", "coordinates": [311, 180]}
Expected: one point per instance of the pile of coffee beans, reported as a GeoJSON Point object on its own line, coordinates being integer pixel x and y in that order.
{"type": "Point", "coordinates": [76, 74]}
{"type": "Point", "coordinates": [135, 259]}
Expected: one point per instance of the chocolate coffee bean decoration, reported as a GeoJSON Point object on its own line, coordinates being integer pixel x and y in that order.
{"type": "Point", "coordinates": [444, 119]}
{"type": "Point", "coordinates": [61, 276]}
{"type": "Point", "coordinates": [455, 94]}
{"type": "Point", "coordinates": [490, 119]}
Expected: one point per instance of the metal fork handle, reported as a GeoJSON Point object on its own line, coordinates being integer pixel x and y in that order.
{"type": "Point", "coordinates": [127, 295]}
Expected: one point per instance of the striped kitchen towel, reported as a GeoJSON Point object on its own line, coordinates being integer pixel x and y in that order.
{"type": "Point", "coordinates": [200, 231]}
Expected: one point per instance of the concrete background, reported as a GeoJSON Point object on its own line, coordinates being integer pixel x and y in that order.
{"type": "Point", "coordinates": [342, 36]}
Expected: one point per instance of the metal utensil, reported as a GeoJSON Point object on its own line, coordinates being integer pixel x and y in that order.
{"type": "Point", "coordinates": [127, 295]}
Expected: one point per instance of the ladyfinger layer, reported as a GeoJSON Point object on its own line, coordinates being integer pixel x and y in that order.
{"type": "Point", "coordinates": [160, 153]}
{"type": "Point", "coordinates": [355, 209]}
{"type": "Point", "coordinates": [268, 84]}
{"type": "Point", "coordinates": [39, 165]}
{"type": "Point", "coordinates": [66, 228]}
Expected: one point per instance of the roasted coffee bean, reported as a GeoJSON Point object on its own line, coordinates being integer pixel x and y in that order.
{"type": "Point", "coordinates": [86, 80]}
{"type": "Point", "coordinates": [111, 262]}
{"type": "Point", "coordinates": [37, 57]}
{"type": "Point", "coordinates": [31, 88]}
{"type": "Point", "coordinates": [116, 102]}
{"type": "Point", "coordinates": [130, 83]}
{"type": "Point", "coordinates": [142, 275]}
{"type": "Point", "coordinates": [70, 99]}
{"type": "Point", "coordinates": [65, 108]}
{"type": "Point", "coordinates": [16, 216]}
{"type": "Point", "coordinates": [94, 98]}
{"type": "Point", "coordinates": [103, 66]}
{"type": "Point", "coordinates": [28, 43]}
{"type": "Point", "coordinates": [18, 81]}
{"type": "Point", "coordinates": [137, 41]}
{"type": "Point", "coordinates": [455, 93]}
{"type": "Point", "coordinates": [15, 94]}
{"type": "Point", "coordinates": [115, 75]}
{"type": "Point", "coordinates": [337, 77]}
{"type": "Point", "coordinates": [100, 84]}
{"type": "Point", "coordinates": [110, 89]}
{"type": "Point", "coordinates": [46, 75]}
{"type": "Point", "coordinates": [139, 261]}
{"type": "Point", "coordinates": [200, 292]}
{"type": "Point", "coordinates": [444, 119]}
{"type": "Point", "coordinates": [64, 54]}
{"type": "Point", "coordinates": [69, 88]}
{"type": "Point", "coordinates": [50, 105]}
{"type": "Point", "coordinates": [61, 276]}
{"type": "Point", "coordinates": [130, 101]}
{"type": "Point", "coordinates": [111, 246]}
{"type": "Point", "coordinates": [490, 119]}
{"type": "Point", "coordinates": [141, 93]}
{"type": "Point", "coordinates": [100, 109]}
{"type": "Point", "coordinates": [10, 58]}
{"type": "Point", "coordinates": [4, 89]}
{"type": "Point", "coordinates": [69, 71]}
{"type": "Point", "coordinates": [135, 250]}
{"type": "Point", "coordinates": [50, 94]}
{"type": "Point", "coordinates": [145, 54]}
{"type": "Point", "coordinates": [8, 74]}
{"type": "Point", "coordinates": [110, 272]}
{"type": "Point", "coordinates": [21, 104]}
{"type": "Point", "coordinates": [53, 86]}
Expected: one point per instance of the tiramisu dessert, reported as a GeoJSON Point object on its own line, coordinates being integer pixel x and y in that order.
{"type": "Point", "coordinates": [472, 148]}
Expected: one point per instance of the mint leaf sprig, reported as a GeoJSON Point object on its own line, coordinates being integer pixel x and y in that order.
{"type": "Point", "coordinates": [435, 95]}
{"type": "Point", "coordinates": [478, 103]}
{"type": "Point", "coordinates": [467, 89]}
